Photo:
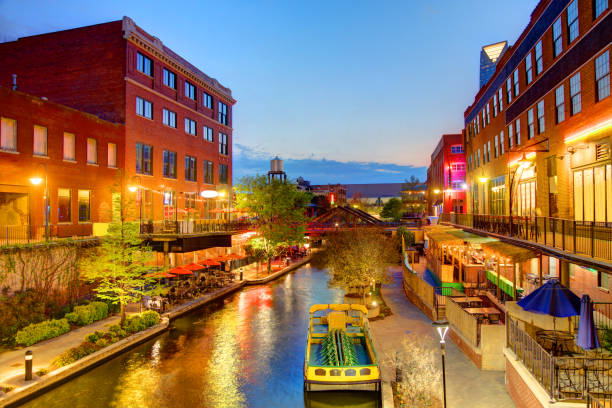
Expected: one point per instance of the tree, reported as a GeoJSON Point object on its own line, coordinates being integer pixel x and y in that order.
{"type": "Point", "coordinates": [394, 208]}
{"type": "Point", "coordinates": [119, 266]}
{"type": "Point", "coordinates": [278, 211]}
{"type": "Point", "coordinates": [357, 259]}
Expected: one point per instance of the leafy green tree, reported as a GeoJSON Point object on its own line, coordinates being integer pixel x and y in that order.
{"type": "Point", "coordinates": [357, 259]}
{"type": "Point", "coordinates": [120, 262]}
{"type": "Point", "coordinates": [394, 208]}
{"type": "Point", "coordinates": [278, 211]}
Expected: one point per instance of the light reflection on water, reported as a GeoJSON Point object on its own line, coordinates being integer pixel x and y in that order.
{"type": "Point", "coordinates": [244, 351]}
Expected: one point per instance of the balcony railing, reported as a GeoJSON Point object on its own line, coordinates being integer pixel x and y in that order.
{"type": "Point", "coordinates": [589, 238]}
{"type": "Point", "coordinates": [29, 234]}
{"type": "Point", "coordinates": [192, 227]}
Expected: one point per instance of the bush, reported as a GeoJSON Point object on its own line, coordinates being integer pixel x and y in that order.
{"type": "Point", "coordinates": [41, 331]}
{"type": "Point", "coordinates": [102, 343]}
{"type": "Point", "coordinates": [75, 353]}
{"type": "Point", "coordinates": [87, 314]}
{"type": "Point", "coordinates": [150, 317]}
{"type": "Point", "coordinates": [116, 331]}
{"type": "Point", "coordinates": [18, 311]}
{"type": "Point", "coordinates": [134, 324]}
{"type": "Point", "coordinates": [93, 337]}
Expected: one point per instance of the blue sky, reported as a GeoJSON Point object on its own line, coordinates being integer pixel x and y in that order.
{"type": "Point", "coordinates": [344, 91]}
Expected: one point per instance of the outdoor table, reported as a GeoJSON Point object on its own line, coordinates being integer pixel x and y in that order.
{"type": "Point", "coordinates": [599, 380]}
{"type": "Point", "coordinates": [472, 300]}
{"type": "Point", "coordinates": [559, 341]}
{"type": "Point", "coordinates": [486, 311]}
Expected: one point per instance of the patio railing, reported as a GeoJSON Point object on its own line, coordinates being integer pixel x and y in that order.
{"type": "Point", "coordinates": [28, 234]}
{"type": "Point", "coordinates": [571, 377]}
{"type": "Point", "coordinates": [464, 322]}
{"type": "Point", "coordinates": [588, 238]}
{"type": "Point", "coordinates": [191, 226]}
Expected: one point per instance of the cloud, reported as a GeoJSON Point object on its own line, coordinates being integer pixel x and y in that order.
{"type": "Point", "coordinates": [254, 160]}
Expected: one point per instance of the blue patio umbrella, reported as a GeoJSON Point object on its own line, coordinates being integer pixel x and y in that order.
{"type": "Point", "coordinates": [587, 333]}
{"type": "Point", "coordinates": [552, 299]}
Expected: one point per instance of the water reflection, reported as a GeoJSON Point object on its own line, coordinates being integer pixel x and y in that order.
{"type": "Point", "coordinates": [244, 351]}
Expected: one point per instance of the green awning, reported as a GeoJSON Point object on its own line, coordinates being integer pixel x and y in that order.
{"type": "Point", "coordinates": [469, 237]}
{"type": "Point", "coordinates": [505, 284]}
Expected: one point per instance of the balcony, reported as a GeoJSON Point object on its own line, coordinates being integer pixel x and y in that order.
{"type": "Point", "coordinates": [31, 234]}
{"type": "Point", "coordinates": [192, 227]}
{"type": "Point", "coordinates": [583, 238]}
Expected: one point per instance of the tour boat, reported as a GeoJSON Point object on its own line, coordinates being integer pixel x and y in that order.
{"type": "Point", "coordinates": [339, 350]}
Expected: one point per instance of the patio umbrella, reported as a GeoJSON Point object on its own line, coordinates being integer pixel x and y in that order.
{"type": "Point", "coordinates": [210, 262]}
{"type": "Point", "coordinates": [160, 275]}
{"type": "Point", "coordinates": [552, 299]}
{"type": "Point", "coordinates": [234, 256]}
{"type": "Point", "coordinates": [587, 332]}
{"type": "Point", "coordinates": [180, 271]}
{"type": "Point", "coordinates": [193, 267]}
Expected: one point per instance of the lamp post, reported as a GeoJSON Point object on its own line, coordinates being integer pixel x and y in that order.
{"type": "Point", "coordinates": [207, 194]}
{"type": "Point", "coordinates": [442, 327]}
{"type": "Point", "coordinates": [36, 180]}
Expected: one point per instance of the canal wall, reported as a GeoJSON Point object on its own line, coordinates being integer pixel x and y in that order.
{"type": "Point", "coordinates": [63, 374]}
{"type": "Point", "coordinates": [280, 273]}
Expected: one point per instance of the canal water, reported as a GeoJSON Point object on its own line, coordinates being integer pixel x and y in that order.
{"type": "Point", "coordinates": [246, 350]}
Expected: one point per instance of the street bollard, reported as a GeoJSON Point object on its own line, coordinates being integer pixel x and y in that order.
{"type": "Point", "coordinates": [28, 365]}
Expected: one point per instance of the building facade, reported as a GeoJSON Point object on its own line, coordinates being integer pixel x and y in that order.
{"type": "Point", "coordinates": [446, 177]}
{"type": "Point", "coordinates": [537, 137]}
{"type": "Point", "coordinates": [176, 120]}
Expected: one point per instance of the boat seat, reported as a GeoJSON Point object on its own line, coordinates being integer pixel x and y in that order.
{"type": "Point", "coordinates": [336, 320]}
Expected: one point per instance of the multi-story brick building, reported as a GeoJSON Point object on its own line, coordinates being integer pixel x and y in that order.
{"type": "Point", "coordinates": [75, 155]}
{"type": "Point", "coordinates": [446, 183]}
{"type": "Point", "coordinates": [176, 121]}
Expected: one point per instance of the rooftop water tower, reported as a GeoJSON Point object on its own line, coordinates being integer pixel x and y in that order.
{"type": "Point", "coordinates": [276, 170]}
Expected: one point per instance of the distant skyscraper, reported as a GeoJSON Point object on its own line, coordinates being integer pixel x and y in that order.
{"type": "Point", "coordinates": [488, 60]}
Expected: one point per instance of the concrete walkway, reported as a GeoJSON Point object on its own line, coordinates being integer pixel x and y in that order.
{"type": "Point", "coordinates": [467, 386]}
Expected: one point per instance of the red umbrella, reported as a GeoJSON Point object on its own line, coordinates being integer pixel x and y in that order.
{"type": "Point", "coordinates": [180, 271]}
{"type": "Point", "coordinates": [221, 258]}
{"type": "Point", "coordinates": [193, 267]}
{"type": "Point", "coordinates": [234, 256]}
{"type": "Point", "coordinates": [210, 262]}
{"type": "Point", "coordinates": [160, 275]}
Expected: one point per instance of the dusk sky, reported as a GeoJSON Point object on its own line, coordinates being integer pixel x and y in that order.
{"type": "Point", "coordinates": [343, 91]}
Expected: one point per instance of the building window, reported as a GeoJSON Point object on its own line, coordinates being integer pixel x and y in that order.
{"type": "Point", "coordinates": [551, 170]}
{"type": "Point", "coordinates": [84, 206]}
{"type": "Point", "coordinates": [516, 82]}
{"type": "Point", "coordinates": [517, 130]}
{"type": "Point", "coordinates": [572, 21]}
{"type": "Point", "coordinates": [477, 123]}
{"type": "Point", "coordinates": [169, 79]}
{"type": "Point", "coordinates": [484, 118]}
{"type": "Point", "coordinates": [169, 118]}
{"type": "Point", "coordinates": [111, 155]}
{"type": "Point", "coordinates": [510, 136]}
{"type": "Point", "coordinates": [222, 143]}
{"type": "Point", "coordinates": [457, 149]}
{"type": "Point", "coordinates": [593, 193]}
{"type": "Point", "coordinates": [190, 200]}
{"type": "Point", "coordinates": [223, 174]}
{"type": "Point", "coordinates": [190, 168]}
{"type": "Point", "coordinates": [489, 151]}
{"type": "Point", "coordinates": [144, 159]}
{"type": "Point", "coordinates": [144, 64]}
{"type": "Point", "coordinates": [208, 134]}
{"type": "Point", "coordinates": [560, 104]}
{"type": "Point", "coordinates": [602, 280]}
{"type": "Point", "coordinates": [538, 58]}
{"type": "Point", "coordinates": [528, 69]}
{"type": "Point", "coordinates": [69, 147]}
{"type": "Point", "coordinates": [64, 201]}
{"type": "Point", "coordinates": [600, 7]}
{"type": "Point", "coordinates": [509, 90]}
{"type": "Point", "coordinates": [222, 113]}
{"type": "Point", "coordinates": [526, 198]}
{"type": "Point", "coordinates": [478, 158]}
{"type": "Point", "coordinates": [457, 184]}
{"type": "Point", "coordinates": [497, 192]}
{"type": "Point", "coordinates": [495, 105]}
{"type": "Point", "coordinates": [501, 141]}
{"type": "Point", "coordinates": [488, 115]}
{"type": "Point", "coordinates": [8, 134]}
{"type": "Point", "coordinates": [92, 151]}
{"type": "Point", "coordinates": [458, 167]}
{"type": "Point", "coordinates": [557, 38]}
{"type": "Point", "coordinates": [496, 147]}
{"type": "Point", "coordinates": [208, 172]}
{"type": "Point", "coordinates": [530, 124]}
{"type": "Point", "coordinates": [500, 97]}
{"type": "Point", "coordinates": [190, 90]}
{"type": "Point", "coordinates": [40, 140]}
{"type": "Point", "coordinates": [207, 100]}
{"type": "Point", "coordinates": [169, 170]}
{"type": "Point", "coordinates": [541, 125]}
{"type": "Point", "coordinates": [144, 108]}
{"type": "Point", "coordinates": [484, 153]}
{"type": "Point", "coordinates": [575, 97]}
{"type": "Point", "coordinates": [190, 126]}
{"type": "Point", "coordinates": [602, 75]}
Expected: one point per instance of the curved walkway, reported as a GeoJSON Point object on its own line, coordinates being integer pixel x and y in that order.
{"type": "Point", "coordinates": [466, 385]}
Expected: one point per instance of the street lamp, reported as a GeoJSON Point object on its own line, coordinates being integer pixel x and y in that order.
{"type": "Point", "coordinates": [442, 327]}
{"type": "Point", "coordinates": [36, 180]}
{"type": "Point", "coordinates": [207, 194]}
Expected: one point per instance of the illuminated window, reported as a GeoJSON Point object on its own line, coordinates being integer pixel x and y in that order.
{"type": "Point", "coordinates": [557, 38]}
{"type": "Point", "coordinates": [40, 140]}
{"type": "Point", "coordinates": [575, 96]}
{"type": "Point", "coordinates": [69, 146]}
{"type": "Point", "coordinates": [144, 64]}
{"type": "Point", "coordinates": [84, 205]}
{"type": "Point", "coordinates": [64, 203]}
{"type": "Point", "coordinates": [458, 167]}
{"type": "Point", "coordinates": [602, 75]}
{"type": "Point", "coordinates": [538, 57]}
{"type": "Point", "coordinates": [92, 151]}
{"type": "Point", "coordinates": [572, 21]}
{"type": "Point", "coordinates": [560, 104]}
{"type": "Point", "coordinates": [111, 155]}
{"type": "Point", "coordinates": [541, 125]}
{"type": "Point", "coordinates": [8, 134]}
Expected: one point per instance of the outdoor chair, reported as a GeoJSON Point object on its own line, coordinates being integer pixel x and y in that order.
{"type": "Point", "coordinates": [494, 319]}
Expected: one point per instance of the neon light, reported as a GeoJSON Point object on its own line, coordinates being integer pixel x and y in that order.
{"type": "Point", "coordinates": [606, 124]}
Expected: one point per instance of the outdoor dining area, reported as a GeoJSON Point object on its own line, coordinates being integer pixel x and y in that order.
{"type": "Point", "coordinates": [190, 281]}
{"type": "Point", "coordinates": [556, 335]}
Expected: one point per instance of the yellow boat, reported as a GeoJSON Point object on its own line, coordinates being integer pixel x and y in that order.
{"type": "Point", "coordinates": [339, 350]}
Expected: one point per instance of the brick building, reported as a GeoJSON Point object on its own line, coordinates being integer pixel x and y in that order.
{"type": "Point", "coordinates": [176, 122]}
{"type": "Point", "coordinates": [446, 183]}
{"type": "Point", "coordinates": [77, 152]}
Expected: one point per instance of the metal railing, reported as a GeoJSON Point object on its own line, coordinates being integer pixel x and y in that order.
{"type": "Point", "coordinates": [566, 377]}
{"type": "Point", "coordinates": [192, 227]}
{"type": "Point", "coordinates": [590, 238]}
{"type": "Point", "coordinates": [29, 234]}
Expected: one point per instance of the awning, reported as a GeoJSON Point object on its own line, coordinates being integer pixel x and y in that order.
{"type": "Point", "coordinates": [193, 267]}
{"type": "Point", "coordinates": [469, 237]}
{"type": "Point", "coordinates": [180, 271]}
{"type": "Point", "coordinates": [209, 262]}
{"type": "Point", "coordinates": [505, 284]}
{"type": "Point", "coordinates": [505, 250]}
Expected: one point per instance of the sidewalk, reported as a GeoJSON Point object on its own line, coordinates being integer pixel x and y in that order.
{"type": "Point", "coordinates": [466, 385]}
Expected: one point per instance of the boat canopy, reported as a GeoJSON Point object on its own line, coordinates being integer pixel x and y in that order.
{"type": "Point", "coordinates": [338, 307]}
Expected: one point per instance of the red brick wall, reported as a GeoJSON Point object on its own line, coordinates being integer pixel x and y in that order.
{"type": "Point", "coordinates": [438, 173]}
{"type": "Point", "coordinates": [518, 390]}
{"type": "Point", "coordinates": [467, 350]}
{"type": "Point", "coordinates": [16, 169]}
{"type": "Point", "coordinates": [82, 68]}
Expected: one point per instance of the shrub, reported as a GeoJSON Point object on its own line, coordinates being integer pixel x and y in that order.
{"type": "Point", "coordinates": [41, 372]}
{"type": "Point", "coordinates": [114, 339]}
{"type": "Point", "coordinates": [116, 331]}
{"type": "Point", "coordinates": [102, 343]}
{"type": "Point", "coordinates": [18, 311]}
{"type": "Point", "coordinates": [87, 314]}
{"type": "Point", "coordinates": [75, 353]}
{"type": "Point", "coordinates": [150, 318]}
{"type": "Point", "coordinates": [93, 337]}
{"type": "Point", "coordinates": [41, 331]}
{"type": "Point", "coordinates": [71, 317]}
{"type": "Point", "coordinates": [134, 324]}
